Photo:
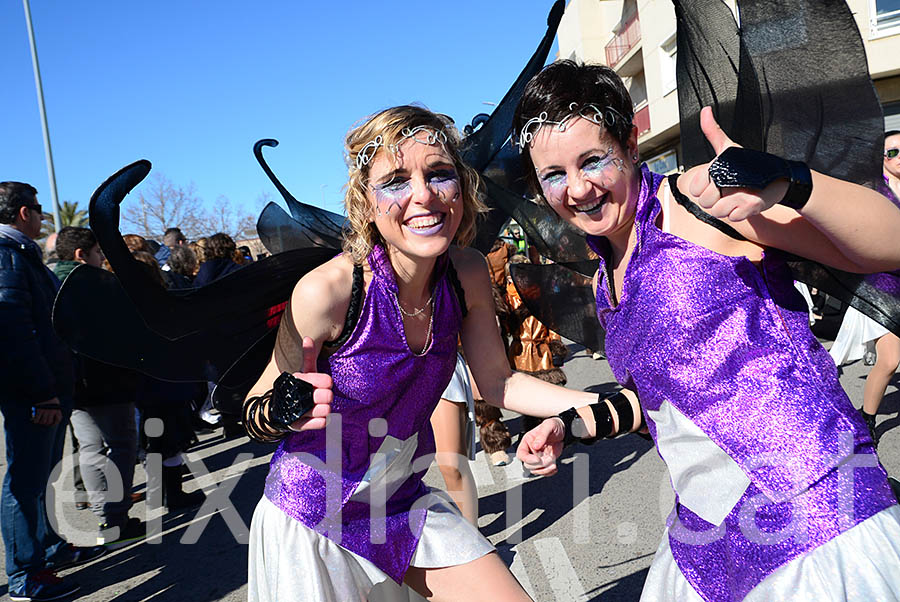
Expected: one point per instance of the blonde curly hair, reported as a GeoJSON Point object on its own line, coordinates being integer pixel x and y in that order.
{"type": "Point", "coordinates": [360, 234]}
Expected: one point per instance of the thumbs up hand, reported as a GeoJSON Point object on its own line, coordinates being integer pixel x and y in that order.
{"type": "Point", "coordinates": [735, 204]}
{"type": "Point", "coordinates": [322, 395]}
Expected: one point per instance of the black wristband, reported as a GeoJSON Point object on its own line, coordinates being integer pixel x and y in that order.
{"type": "Point", "coordinates": [603, 421]}
{"type": "Point", "coordinates": [568, 417]}
{"type": "Point", "coordinates": [739, 167]}
{"type": "Point", "coordinates": [291, 399]}
{"type": "Point", "coordinates": [625, 413]}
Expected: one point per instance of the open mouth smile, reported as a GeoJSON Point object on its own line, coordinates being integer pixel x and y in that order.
{"type": "Point", "coordinates": [425, 225]}
{"type": "Point", "coordinates": [590, 208]}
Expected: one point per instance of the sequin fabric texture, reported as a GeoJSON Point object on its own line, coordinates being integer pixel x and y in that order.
{"type": "Point", "coordinates": [376, 376]}
{"type": "Point", "coordinates": [727, 343]}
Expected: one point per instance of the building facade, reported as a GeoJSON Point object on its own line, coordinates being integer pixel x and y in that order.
{"type": "Point", "coordinates": [637, 39]}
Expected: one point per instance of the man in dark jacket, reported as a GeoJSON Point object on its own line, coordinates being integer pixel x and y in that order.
{"type": "Point", "coordinates": [36, 385]}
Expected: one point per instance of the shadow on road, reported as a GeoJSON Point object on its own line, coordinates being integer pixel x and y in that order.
{"type": "Point", "coordinates": [172, 571]}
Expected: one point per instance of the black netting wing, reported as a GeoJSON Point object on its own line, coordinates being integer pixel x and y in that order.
{"type": "Point", "coordinates": [484, 144]}
{"type": "Point", "coordinates": [280, 232]}
{"type": "Point", "coordinates": [192, 334]}
{"type": "Point", "coordinates": [562, 300]}
{"type": "Point", "coordinates": [793, 81]}
{"type": "Point", "coordinates": [306, 226]}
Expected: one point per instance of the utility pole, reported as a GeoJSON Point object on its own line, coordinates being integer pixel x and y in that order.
{"type": "Point", "coordinates": [40, 92]}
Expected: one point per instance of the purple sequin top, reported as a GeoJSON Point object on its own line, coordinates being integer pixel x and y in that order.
{"type": "Point", "coordinates": [727, 343]}
{"type": "Point", "coordinates": [375, 376]}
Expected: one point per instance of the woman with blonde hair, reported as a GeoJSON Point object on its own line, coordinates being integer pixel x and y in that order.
{"type": "Point", "coordinates": [371, 336]}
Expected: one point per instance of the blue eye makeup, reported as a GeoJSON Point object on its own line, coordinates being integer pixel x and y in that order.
{"type": "Point", "coordinates": [445, 184]}
{"type": "Point", "coordinates": [393, 192]}
{"type": "Point", "coordinates": [398, 190]}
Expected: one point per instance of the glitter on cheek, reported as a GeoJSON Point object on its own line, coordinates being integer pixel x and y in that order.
{"type": "Point", "coordinates": [391, 195]}
{"type": "Point", "coordinates": [447, 189]}
{"type": "Point", "coordinates": [555, 188]}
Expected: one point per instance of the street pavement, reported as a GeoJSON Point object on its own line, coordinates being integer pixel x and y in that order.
{"type": "Point", "coordinates": [588, 533]}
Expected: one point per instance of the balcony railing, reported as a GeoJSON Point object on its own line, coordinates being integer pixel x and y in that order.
{"type": "Point", "coordinates": [642, 119]}
{"type": "Point", "coordinates": [626, 38]}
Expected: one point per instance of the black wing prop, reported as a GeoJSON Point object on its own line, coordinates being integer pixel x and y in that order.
{"type": "Point", "coordinates": [190, 335]}
{"type": "Point", "coordinates": [793, 81]}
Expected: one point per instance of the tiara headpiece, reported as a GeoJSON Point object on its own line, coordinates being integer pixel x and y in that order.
{"type": "Point", "coordinates": [422, 134]}
{"type": "Point", "coordinates": [605, 116]}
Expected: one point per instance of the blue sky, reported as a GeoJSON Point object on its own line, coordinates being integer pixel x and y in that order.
{"type": "Point", "coordinates": [191, 85]}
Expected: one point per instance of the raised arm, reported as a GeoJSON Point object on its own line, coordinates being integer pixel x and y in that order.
{"type": "Point", "coordinates": [843, 225]}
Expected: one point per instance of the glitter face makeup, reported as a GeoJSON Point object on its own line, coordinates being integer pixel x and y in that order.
{"type": "Point", "coordinates": [395, 193]}
{"type": "Point", "coordinates": [585, 176]}
{"type": "Point", "coordinates": [596, 168]}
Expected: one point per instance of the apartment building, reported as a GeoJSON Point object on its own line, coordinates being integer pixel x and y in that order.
{"type": "Point", "coordinates": [637, 39]}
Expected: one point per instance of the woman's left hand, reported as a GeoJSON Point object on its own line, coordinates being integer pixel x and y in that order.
{"type": "Point", "coordinates": [734, 204]}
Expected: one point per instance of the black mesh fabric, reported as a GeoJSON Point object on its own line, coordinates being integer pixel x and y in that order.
{"type": "Point", "coordinates": [793, 81]}
{"type": "Point", "coordinates": [562, 299]}
{"type": "Point", "coordinates": [127, 319]}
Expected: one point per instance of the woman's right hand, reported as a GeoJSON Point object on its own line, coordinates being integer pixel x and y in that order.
{"type": "Point", "coordinates": [541, 446]}
{"type": "Point", "coordinates": [322, 396]}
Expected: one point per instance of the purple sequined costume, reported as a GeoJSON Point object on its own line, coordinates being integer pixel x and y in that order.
{"type": "Point", "coordinates": [376, 376]}
{"type": "Point", "coordinates": [718, 345]}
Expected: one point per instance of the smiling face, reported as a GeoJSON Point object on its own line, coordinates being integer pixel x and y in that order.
{"type": "Point", "coordinates": [587, 177]}
{"type": "Point", "coordinates": [414, 194]}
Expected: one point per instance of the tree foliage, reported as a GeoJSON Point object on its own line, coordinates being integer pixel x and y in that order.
{"type": "Point", "coordinates": [160, 204]}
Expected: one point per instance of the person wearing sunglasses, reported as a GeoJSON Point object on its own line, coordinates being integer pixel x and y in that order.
{"type": "Point", "coordinates": [892, 161]}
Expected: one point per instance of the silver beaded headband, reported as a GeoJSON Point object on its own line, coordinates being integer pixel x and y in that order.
{"type": "Point", "coordinates": [431, 136]}
{"type": "Point", "coordinates": [607, 117]}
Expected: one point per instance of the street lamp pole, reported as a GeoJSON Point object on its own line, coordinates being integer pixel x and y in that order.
{"type": "Point", "coordinates": [40, 92]}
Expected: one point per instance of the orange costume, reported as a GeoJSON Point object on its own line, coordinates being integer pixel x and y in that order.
{"type": "Point", "coordinates": [530, 349]}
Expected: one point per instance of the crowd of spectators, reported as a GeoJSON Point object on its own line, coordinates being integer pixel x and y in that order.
{"type": "Point", "coordinates": [47, 390]}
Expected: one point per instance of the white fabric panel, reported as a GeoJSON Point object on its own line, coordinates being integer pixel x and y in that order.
{"type": "Point", "coordinates": [860, 564]}
{"type": "Point", "coordinates": [708, 482]}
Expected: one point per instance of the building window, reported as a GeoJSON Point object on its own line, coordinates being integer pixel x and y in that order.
{"type": "Point", "coordinates": [884, 14]}
{"type": "Point", "coordinates": [668, 53]}
{"type": "Point", "coordinates": [664, 163]}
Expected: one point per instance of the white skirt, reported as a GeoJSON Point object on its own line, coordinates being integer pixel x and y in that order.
{"type": "Point", "coordinates": [460, 391]}
{"type": "Point", "coordinates": [290, 562]}
{"type": "Point", "coordinates": [862, 563]}
{"type": "Point", "coordinates": [857, 330]}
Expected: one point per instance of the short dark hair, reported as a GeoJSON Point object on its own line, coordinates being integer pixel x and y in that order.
{"type": "Point", "coordinates": [566, 84]}
{"type": "Point", "coordinates": [13, 196]}
{"type": "Point", "coordinates": [182, 261]}
{"type": "Point", "coordinates": [70, 239]}
{"type": "Point", "coordinates": [172, 236]}
{"type": "Point", "coordinates": [890, 133]}
{"type": "Point", "coordinates": [220, 245]}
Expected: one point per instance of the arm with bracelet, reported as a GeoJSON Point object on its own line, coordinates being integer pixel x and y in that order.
{"type": "Point", "coordinates": [608, 417]}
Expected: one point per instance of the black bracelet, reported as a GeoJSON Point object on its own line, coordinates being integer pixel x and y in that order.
{"type": "Point", "coordinates": [568, 417]}
{"type": "Point", "coordinates": [622, 405]}
{"type": "Point", "coordinates": [739, 167]}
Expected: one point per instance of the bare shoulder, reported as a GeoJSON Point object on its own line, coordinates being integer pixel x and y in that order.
{"type": "Point", "coordinates": [469, 263]}
{"type": "Point", "coordinates": [320, 299]}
